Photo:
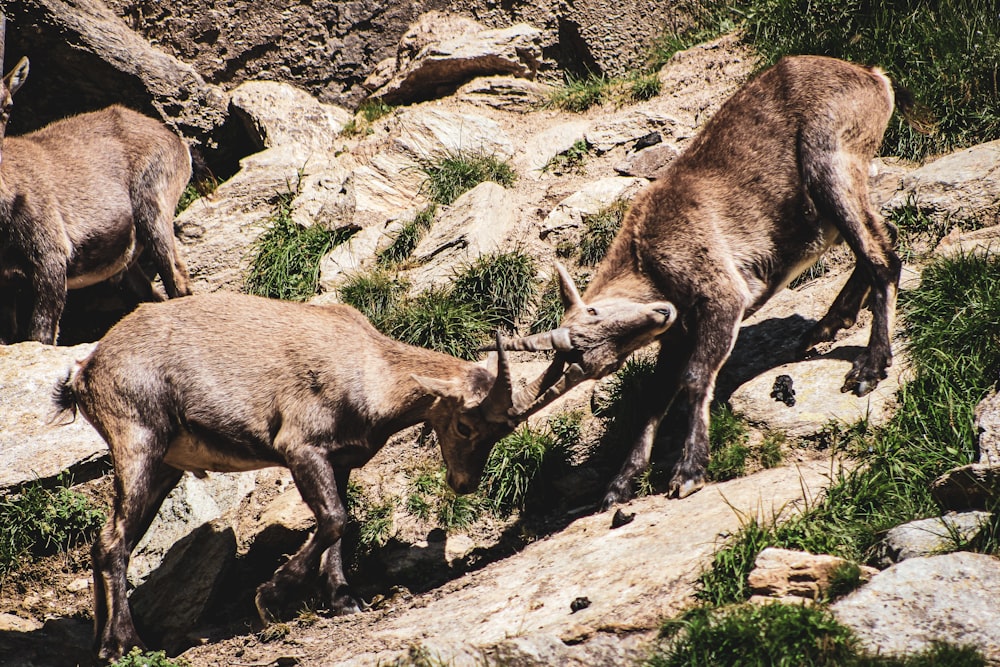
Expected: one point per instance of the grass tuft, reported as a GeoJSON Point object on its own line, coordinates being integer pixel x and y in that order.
{"type": "Point", "coordinates": [579, 94]}
{"type": "Point", "coordinates": [407, 238]}
{"type": "Point", "coordinates": [570, 160]}
{"type": "Point", "coordinates": [285, 258]}
{"type": "Point", "coordinates": [456, 173]}
{"type": "Point", "coordinates": [599, 230]}
{"type": "Point", "coordinates": [139, 658]}
{"type": "Point", "coordinates": [39, 521]}
{"type": "Point", "coordinates": [433, 319]}
{"type": "Point", "coordinates": [376, 294]}
{"type": "Point", "coordinates": [499, 286]}
{"type": "Point", "coordinates": [728, 436]}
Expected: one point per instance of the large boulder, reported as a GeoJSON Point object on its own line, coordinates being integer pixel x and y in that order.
{"type": "Point", "coordinates": [910, 606]}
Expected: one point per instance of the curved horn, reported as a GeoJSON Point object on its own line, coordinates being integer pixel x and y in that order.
{"type": "Point", "coordinates": [526, 404]}
{"type": "Point", "coordinates": [556, 339]}
{"type": "Point", "coordinates": [567, 289]}
{"type": "Point", "coordinates": [500, 399]}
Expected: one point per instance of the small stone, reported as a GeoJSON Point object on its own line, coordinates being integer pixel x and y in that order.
{"type": "Point", "coordinates": [782, 390]}
{"type": "Point", "coordinates": [621, 518]}
{"type": "Point", "coordinates": [579, 603]}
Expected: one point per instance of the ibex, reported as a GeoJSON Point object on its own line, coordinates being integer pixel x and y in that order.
{"type": "Point", "coordinates": [80, 200]}
{"type": "Point", "coordinates": [229, 382]}
{"type": "Point", "coordinates": [775, 178]}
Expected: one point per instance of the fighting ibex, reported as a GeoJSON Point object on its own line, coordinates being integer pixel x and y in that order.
{"type": "Point", "coordinates": [775, 178]}
{"type": "Point", "coordinates": [229, 382]}
{"type": "Point", "coordinates": [80, 200]}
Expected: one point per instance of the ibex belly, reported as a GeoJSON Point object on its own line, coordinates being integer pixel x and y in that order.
{"type": "Point", "coordinates": [99, 258]}
{"type": "Point", "coordinates": [189, 452]}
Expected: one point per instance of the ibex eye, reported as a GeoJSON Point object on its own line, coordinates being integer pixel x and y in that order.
{"type": "Point", "coordinates": [463, 429]}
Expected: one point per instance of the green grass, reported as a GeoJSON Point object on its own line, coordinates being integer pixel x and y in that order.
{"type": "Point", "coordinates": [947, 52]}
{"type": "Point", "coordinates": [579, 94]}
{"type": "Point", "coordinates": [455, 173]}
{"type": "Point", "coordinates": [433, 319]}
{"type": "Point", "coordinates": [549, 310]}
{"type": "Point", "coordinates": [39, 521]}
{"type": "Point", "coordinates": [284, 260]}
{"type": "Point", "coordinates": [139, 658]}
{"type": "Point", "coordinates": [641, 86]}
{"type": "Point", "coordinates": [372, 110]}
{"type": "Point", "coordinates": [570, 160]}
{"type": "Point", "coordinates": [599, 230]}
{"type": "Point", "coordinates": [493, 291]}
{"type": "Point", "coordinates": [779, 635]}
{"type": "Point", "coordinates": [500, 286]}
{"type": "Point", "coordinates": [407, 239]}
{"type": "Point", "coordinates": [728, 437]}
{"type": "Point", "coordinates": [376, 294]}
{"type": "Point", "coordinates": [520, 461]}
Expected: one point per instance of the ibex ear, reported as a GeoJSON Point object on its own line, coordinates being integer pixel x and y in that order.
{"type": "Point", "coordinates": [440, 388]}
{"type": "Point", "coordinates": [567, 289]}
{"type": "Point", "coordinates": [15, 78]}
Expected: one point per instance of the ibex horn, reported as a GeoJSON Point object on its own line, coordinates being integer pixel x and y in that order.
{"type": "Point", "coordinates": [570, 295]}
{"type": "Point", "coordinates": [3, 38]}
{"type": "Point", "coordinates": [501, 397]}
{"type": "Point", "coordinates": [556, 339]}
{"type": "Point", "coordinates": [573, 375]}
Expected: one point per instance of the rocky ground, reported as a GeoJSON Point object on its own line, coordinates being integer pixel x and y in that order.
{"type": "Point", "coordinates": [502, 593]}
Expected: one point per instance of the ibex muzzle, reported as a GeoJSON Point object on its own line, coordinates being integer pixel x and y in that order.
{"type": "Point", "coordinates": [775, 178]}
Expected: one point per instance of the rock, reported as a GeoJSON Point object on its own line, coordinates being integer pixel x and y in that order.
{"type": "Point", "coordinates": [442, 63]}
{"type": "Point", "coordinates": [83, 51]}
{"type": "Point", "coordinates": [173, 600]}
{"type": "Point", "coordinates": [793, 576]}
{"type": "Point", "coordinates": [949, 598]}
{"type": "Point", "coordinates": [928, 537]}
{"type": "Point", "coordinates": [30, 446]}
{"type": "Point", "coordinates": [605, 134]}
{"type": "Point", "coordinates": [565, 222]}
{"type": "Point", "coordinates": [12, 623]}
{"type": "Point", "coordinates": [283, 525]}
{"type": "Point", "coordinates": [960, 186]}
{"type": "Point", "coordinates": [426, 134]}
{"type": "Point", "coordinates": [962, 242]}
{"type": "Point", "coordinates": [384, 188]}
{"type": "Point", "coordinates": [192, 504]}
{"type": "Point", "coordinates": [505, 93]}
{"type": "Point", "coordinates": [356, 254]}
{"type": "Point", "coordinates": [973, 486]}
{"type": "Point", "coordinates": [648, 163]}
{"type": "Point", "coordinates": [277, 114]}
{"type": "Point", "coordinates": [544, 146]}
{"type": "Point", "coordinates": [478, 223]}
{"type": "Point", "coordinates": [987, 420]}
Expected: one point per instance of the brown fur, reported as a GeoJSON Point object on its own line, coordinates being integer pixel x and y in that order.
{"type": "Point", "coordinates": [80, 200]}
{"type": "Point", "coordinates": [229, 382]}
{"type": "Point", "coordinates": [775, 178]}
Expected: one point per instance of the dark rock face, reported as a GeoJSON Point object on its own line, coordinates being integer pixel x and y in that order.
{"type": "Point", "coordinates": [328, 47]}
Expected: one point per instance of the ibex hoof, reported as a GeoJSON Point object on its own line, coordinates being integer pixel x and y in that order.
{"type": "Point", "coordinates": [682, 488]}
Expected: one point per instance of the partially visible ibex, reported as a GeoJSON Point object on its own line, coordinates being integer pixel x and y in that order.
{"type": "Point", "coordinates": [775, 178]}
{"type": "Point", "coordinates": [80, 200]}
{"type": "Point", "coordinates": [229, 382]}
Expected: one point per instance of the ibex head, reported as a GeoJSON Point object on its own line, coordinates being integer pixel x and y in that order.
{"type": "Point", "coordinates": [593, 340]}
{"type": "Point", "coordinates": [11, 83]}
{"type": "Point", "coordinates": [470, 415]}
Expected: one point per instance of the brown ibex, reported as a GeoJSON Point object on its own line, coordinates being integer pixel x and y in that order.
{"type": "Point", "coordinates": [775, 178]}
{"type": "Point", "coordinates": [80, 200]}
{"type": "Point", "coordinates": [229, 382]}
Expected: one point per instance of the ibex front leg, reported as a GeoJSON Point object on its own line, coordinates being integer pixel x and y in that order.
{"type": "Point", "coordinates": [317, 483]}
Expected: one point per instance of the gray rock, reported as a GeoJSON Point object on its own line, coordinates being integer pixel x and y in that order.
{"type": "Point", "coordinates": [442, 62]}
{"type": "Point", "coordinates": [30, 446]}
{"type": "Point", "coordinates": [607, 133]}
{"type": "Point", "coordinates": [648, 163]}
{"type": "Point", "coordinates": [566, 220]}
{"type": "Point", "coordinates": [960, 186]}
{"type": "Point", "coordinates": [950, 598]}
{"type": "Point", "coordinates": [791, 575]}
{"type": "Point", "coordinates": [85, 47]}
{"type": "Point", "coordinates": [277, 114]}
{"type": "Point", "coordinates": [427, 133]}
{"type": "Point", "coordinates": [191, 505]}
{"type": "Point", "coordinates": [506, 93]}
{"type": "Point", "coordinates": [173, 600]}
{"type": "Point", "coordinates": [987, 420]}
{"type": "Point", "coordinates": [973, 486]}
{"type": "Point", "coordinates": [963, 242]}
{"type": "Point", "coordinates": [929, 537]}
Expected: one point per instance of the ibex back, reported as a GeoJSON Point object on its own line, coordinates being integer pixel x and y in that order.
{"type": "Point", "coordinates": [229, 382]}
{"type": "Point", "coordinates": [80, 200]}
{"type": "Point", "coordinates": [775, 178]}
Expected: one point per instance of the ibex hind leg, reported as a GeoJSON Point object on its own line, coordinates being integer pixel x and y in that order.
{"type": "Point", "coordinates": [839, 185]}
{"type": "Point", "coordinates": [140, 487]}
{"type": "Point", "coordinates": [843, 311]}
{"type": "Point", "coordinates": [154, 204]}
